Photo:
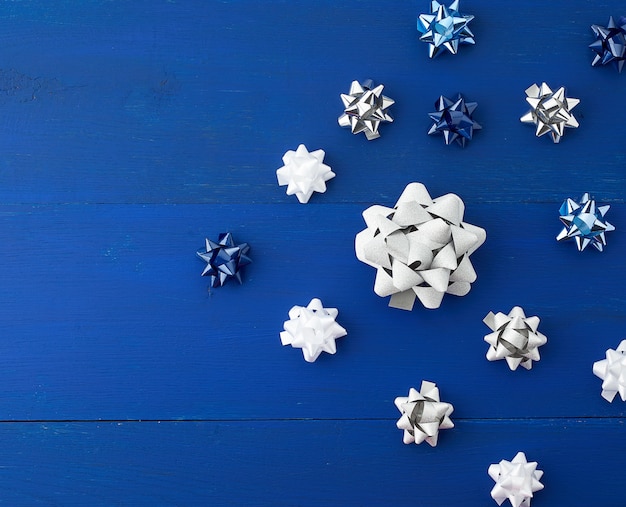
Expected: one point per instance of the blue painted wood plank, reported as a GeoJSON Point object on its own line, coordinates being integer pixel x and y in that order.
{"type": "Point", "coordinates": [304, 463]}
{"type": "Point", "coordinates": [188, 107]}
{"type": "Point", "coordinates": [197, 101]}
{"type": "Point", "coordinates": [104, 315]}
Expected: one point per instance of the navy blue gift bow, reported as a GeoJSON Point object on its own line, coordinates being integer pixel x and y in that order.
{"type": "Point", "coordinates": [610, 46]}
{"type": "Point", "coordinates": [224, 259]}
{"type": "Point", "coordinates": [454, 120]}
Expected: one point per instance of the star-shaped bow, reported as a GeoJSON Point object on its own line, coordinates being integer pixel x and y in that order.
{"type": "Point", "coordinates": [516, 480]}
{"type": "Point", "coordinates": [584, 221]}
{"type": "Point", "coordinates": [550, 111]}
{"type": "Point", "coordinates": [610, 44]}
{"type": "Point", "coordinates": [365, 108]}
{"type": "Point", "coordinates": [612, 371]}
{"type": "Point", "coordinates": [454, 120]}
{"type": "Point", "coordinates": [515, 338]}
{"type": "Point", "coordinates": [423, 414]}
{"type": "Point", "coordinates": [445, 28]}
{"type": "Point", "coordinates": [224, 259]}
{"type": "Point", "coordinates": [304, 173]}
{"type": "Point", "coordinates": [313, 329]}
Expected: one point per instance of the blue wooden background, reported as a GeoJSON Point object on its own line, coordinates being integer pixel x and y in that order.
{"type": "Point", "coordinates": [130, 131]}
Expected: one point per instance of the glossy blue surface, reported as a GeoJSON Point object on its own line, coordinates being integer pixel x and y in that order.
{"type": "Point", "coordinates": [131, 131]}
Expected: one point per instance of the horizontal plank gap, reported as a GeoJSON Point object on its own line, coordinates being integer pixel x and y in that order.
{"type": "Point", "coordinates": [306, 419]}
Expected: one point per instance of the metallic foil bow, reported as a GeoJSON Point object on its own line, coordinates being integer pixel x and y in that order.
{"type": "Point", "coordinates": [584, 221]}
{"type": "Point", "coordinates": [610, 44]}
{"type": "Point", "coordinates": [516, 480]}
{"type": "Point", "coordinates": [312, 329]}
{"type": "Point", "coordinates": [304, 173]}
{"type": "Point", "coordinates": [514, 338]}
{"type": "Point", "coordinates": [612, 371]}
{"type": "Point", "coordinates": [445, 28]}
{"type": "Point", "coordinates": [224, 260]}
{"type": "Point", "coordinates": [420, 248]}
{"type": "Point", "coordinates": [550, 111]}
{"type": "Point", "coordinates": [423, 414]}
{"type": "Point", "coordinates": [454, 120]}
{"type": "Point", "coordinates": [365, 108]}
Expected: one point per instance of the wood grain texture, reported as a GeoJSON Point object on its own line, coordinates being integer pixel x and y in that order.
{"type": "Point", "coordinates": [130, 131]}
{"type": "Point", "coordinates": [300, 463]}
{"type": "Point", "coordinates": [197, 101]}
{"type": "Point", "coordinates": [106, 316]}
